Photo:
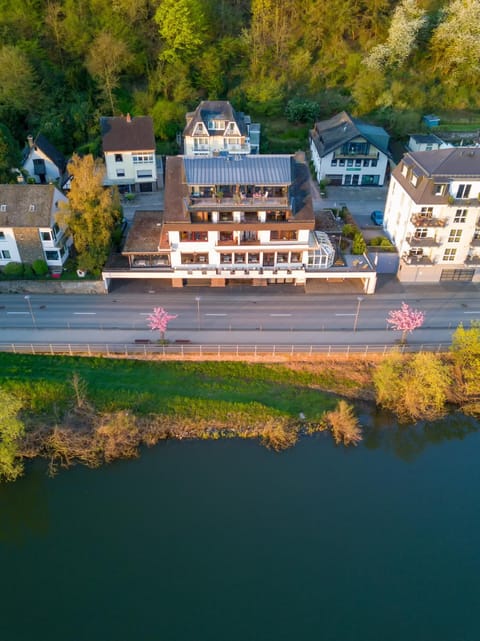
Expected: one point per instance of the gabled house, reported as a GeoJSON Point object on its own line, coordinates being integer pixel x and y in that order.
{"type": "Point", "coordinates": [236, 219]}
{"type": "Point", "coordinates": [347, 151]}
{"type": "Point", "coordinates": [432, 215]}
{"type": "Point", "coordinates": [129, 150]}
{"type": "Point", "coordinates": [215, 127]}
{"type": "Point", "coordinates": [43, 162]}
{"type": "Point", "coordinates": [426, 142]}
{"type": "Point", "coordinates": [28, 227]}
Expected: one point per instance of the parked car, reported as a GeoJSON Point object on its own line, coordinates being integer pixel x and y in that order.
{"type": "Point", "coordinates": [377, 217]}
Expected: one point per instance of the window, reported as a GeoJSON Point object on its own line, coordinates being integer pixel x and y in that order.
{"type": "Point", "coordinates": [463, 191]}
{"type": "Point", "coordinates": [45, 235]}
{"type": "Point", "coordinates": [240, 259]}
{"type": "Point", "coordinates": [460, 216]}
{"type": "Point", "coordinates": [120, 173]}
{"type": "Point", "coordinates": [144, 173]}
{"type": "Point", "coordinates": [366, 163]}
{"type": "Point", "coordinates": [295, 257]}
{"type": "Point", "coordinates": [427, 212]}
{"type": "Point", "coordinates": [439, 190]}
{"type": "Point", "coordinates": [455, 235]}
{"type": "Point", "coordinates": [2, 235]}
{"type": "Point", "coordinates": [414, 179]}
{"type": "Point", "coordinates": [355, 148]}
{"type": "Point", "coordinates": [421, 232]}
{"type": "Point", "coordinates": [55, 230]}
{"type": "Point", "coordinates": [31, 208]}
{"type": "Point", "coordinates": [334, 162]}
{"type": "Point", "coordinates": [118, 158]}
{"type": "Point", "coordinates": [139, 159]}
{"type": "Point", "coordinates": [51, 255]}
{"type": "Point", "coordinates": [193, 236]}
{"type": "Point", "coordinates": [350, 162]}
{"type": "Point", "coordinates": [476, 235]}
{"type": "Point", "coordinates": [374, 162]}
{"type": "Point", "coordinates": [194, 259]}
{"type": "Point", "coordinates": [358, 163]}
{"type": "Point", "coordinates": [3, 208]}
{"type": "Point", "coordinates": [404, 170]}
{"type": "Point", "coordinates": [449, 254]}
{"type": "Point", "coordinates": [283, 235]}
{"type": "Point", "coordinates": [341, 162]}
{"type": "Point", "coordinates": [226, 258]}
{"type": "Point", "coordinates": [253, 259]}
{"type": "Point", "coordinates": [6, 254]}
{"type": "Point", "coordinates": [416, 251]}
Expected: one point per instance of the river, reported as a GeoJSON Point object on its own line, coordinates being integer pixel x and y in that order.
{"type": "Point", "coordinates": [227, 541]}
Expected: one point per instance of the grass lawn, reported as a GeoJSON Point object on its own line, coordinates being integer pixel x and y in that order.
{"type": "Point", "coordinates": [200, 390]}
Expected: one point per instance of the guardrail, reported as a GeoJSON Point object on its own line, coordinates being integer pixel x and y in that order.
{"type": "Point", "coordinates": [215, 351]}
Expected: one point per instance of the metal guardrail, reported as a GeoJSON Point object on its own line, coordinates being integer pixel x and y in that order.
{"type": "Point", "coordinates": [212, 351]}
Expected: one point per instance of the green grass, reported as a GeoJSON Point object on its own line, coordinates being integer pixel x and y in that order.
{"type": "Point", "coordinates": [203, 390]}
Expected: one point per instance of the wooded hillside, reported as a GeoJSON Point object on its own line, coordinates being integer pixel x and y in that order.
{"type": "Point", "coordinates": [63, 63]}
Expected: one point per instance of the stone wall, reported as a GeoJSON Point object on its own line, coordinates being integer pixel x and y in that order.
{"type": "Point", "coordinates": [52, 287]}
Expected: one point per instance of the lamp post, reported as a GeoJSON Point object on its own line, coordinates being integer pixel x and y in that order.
{"type": "Point", "coordinates": [355, 322]}
{"type": "Point", "coordinates": [197, 298]}
{"type": "Point", "coordinates": [27, 298]}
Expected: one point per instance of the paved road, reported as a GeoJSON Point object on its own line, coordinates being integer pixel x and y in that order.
{"type": "Point", "coordinates": [253, 316]}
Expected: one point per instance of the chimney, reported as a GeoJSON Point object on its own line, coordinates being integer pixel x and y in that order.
{"type": "Point", "coordinates": [30, 140]}
{"type": "Point", "coordinates": [129, 118]}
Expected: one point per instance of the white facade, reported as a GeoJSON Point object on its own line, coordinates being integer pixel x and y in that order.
{"type": "Point", "coordinates": [127, 167]}
{"type": "Point", "coordinates": [434, 221]}
{"type": "Point", "coordinates": [223, 136]}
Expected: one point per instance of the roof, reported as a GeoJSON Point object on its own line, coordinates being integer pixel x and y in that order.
{"type": "Point", "coordinates": [437, 166]}
{"type": "Point", "coordinates": [331, 134]}
{"type": "Point", "coordinates": [144, 234]}
{"type": "Point", "coordinates": [49, 150]}
{"type": "Point", "coordinates": [209, 110]}
{"type": "Point", "coordinates": [263, 170]}
{"type": "Point", "coordinates": [19, 199]}
{"type": "Point", "coordinates": [426, 139]}
{"type": "Point", "coordinates": [127, 133]}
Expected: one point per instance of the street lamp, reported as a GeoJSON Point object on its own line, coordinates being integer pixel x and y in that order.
{"type": "Point", "coordinates": [359, 299]}
{"type": "Point", "coordinates": [197, 298]}
{"type": "Point", "coordinates": [27, 298]}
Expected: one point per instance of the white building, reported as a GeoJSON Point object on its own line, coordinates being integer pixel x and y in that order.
{"type": "Point", "coordinates": [129, 150]}
{"type": "Point", "coordinates": [347, 151]}
{"type": "Point", "coordinates": [28, 227]}
{"type": "Point", "coordinates": [215, 127]}
{"type": "Point", "coordinates": [42, 161]}
{"type": "Point", "coordinates": [426, 142]}
{"type": "Point", "coordinates": [432, 215]}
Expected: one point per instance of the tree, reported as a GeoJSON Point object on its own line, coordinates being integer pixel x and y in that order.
{"type": "Point", "coordinates": [91, 213]}
{"type": "Point", "coordinates": [415, 388]}
{"type": "Point", "coordinates": [107, 57]}
{"type": "Point", "coordinates": [9, 156]}
{"type": "Point", "coordinates": [344, 424]}
{"type": "Point", "coordinates": [159, 320]}
{"type": "Point", "coordinates": [182, 27]}
{"type": "Point", "coordinates": [17, 80]}
{"type": "Point", "coordinates": [405, 320]}
{"type": "Point", "coordinates": [11, 431]}
{"type": "Point", "coordinates": [466, 352]}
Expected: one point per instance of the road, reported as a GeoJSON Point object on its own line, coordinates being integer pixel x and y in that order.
{"type": "Point", "coordinates": [228, 316]}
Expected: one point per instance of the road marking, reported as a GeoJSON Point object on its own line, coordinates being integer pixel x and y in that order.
{"type": "Point", "coordinates": [215, 314]}
{"type": "Point", "coordinates": [344, 314]}
{"type": "Point", "coordinates": [85, 313]}
{"type": "Point", "coordinates": [280, 314]}
{"type": "Point", "coordinates": [475, 312]}
{"type": "Point", "coordinates": [18, 312]}
{"type": "Point", "coordinates": [145, 313]}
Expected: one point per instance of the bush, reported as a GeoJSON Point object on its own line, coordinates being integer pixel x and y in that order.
{"type": "Point", "coordinates": [349, 231]}
{"type": "Point", "coordinates": [344, 424]}
{"type": "Point", "coordinates": [359, 246]}
{"type": "Point", "coordinates": [40, 267]}
{"type": "Point", "coordinates": [299, 110]}
{"type": "Point", "coordinates": [28, 271]}
{"type": "Point", "coordinates": [13, 270]}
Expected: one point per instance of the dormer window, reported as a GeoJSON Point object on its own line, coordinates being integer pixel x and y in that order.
{"type": "Point", "coordinates": [463, 191]}
{"type": "Point", "coordinates": [439, 189]}
{"type": "Point", "coordinates": [414, 179]}
{"type": "Point", "coordinates": [31, 208]}
{"type": "Point", "coordinates": [405, 170]}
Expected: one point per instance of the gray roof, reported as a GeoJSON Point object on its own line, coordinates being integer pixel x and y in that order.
{"type": "Point", "coordinates": [50, 151]}
{"type": "Point", "coordinates": [455, 162]}
{"type": "Point", "coordinates": [127, 133]}
{"type": "Point", "coordinates": [426, 139]}
{"type": "Point", "coordinates": [331, 134]}
{"type": "Point", "coordinates": [19, 199]}
{"type": "Point", "coordinates": [242, 170]}
{"type": "Point", "coordinates": [214, 110]}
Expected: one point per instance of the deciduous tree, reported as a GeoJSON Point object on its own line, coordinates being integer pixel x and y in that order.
{"type": "Point", "coordinates": [91, 213]}
{"type": "Point", "coordinates": [159, 320]}
{"type": "Point", "coordinates": [11, 431]}
{"type": "Point", "coordinates": [405, 320]}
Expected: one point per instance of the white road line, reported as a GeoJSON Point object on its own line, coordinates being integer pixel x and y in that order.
{"type": "Point", "coordinates": [280, 314]}
{"type": "Point", "coordinates": [85, 313]}
{"type": "Point", "coordinates": [145, 313]}
{"type": "Point", "coordinates": [344, 314]}
{"type": "Point", "coordinates": [215, 314]}
{"type": "Point", "coordinates": [18, 312]}
{"type": "Point", "coordinates": [475, 312]}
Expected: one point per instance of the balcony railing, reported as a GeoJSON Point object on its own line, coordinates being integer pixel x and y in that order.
{"type": "Point", "coordinates": [216, 203]}
{"type": "Point", "coordinates": [429, 241]}
{"type": "Point", "coordinates": [421, 220]}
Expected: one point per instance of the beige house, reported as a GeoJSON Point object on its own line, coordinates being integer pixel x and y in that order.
{"type": "Point", "coordinates": [432, 215]}
{"type": "Point", "coordinates": [28, 229]}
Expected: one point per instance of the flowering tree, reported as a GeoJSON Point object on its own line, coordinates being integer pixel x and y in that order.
{"type": "Point", "coordinates": [405, 320]}
{"type": "Point", "coordinates": [159, 319]}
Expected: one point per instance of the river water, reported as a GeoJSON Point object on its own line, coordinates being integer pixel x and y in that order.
{"type": "Point", "coordinates": [227, 541]}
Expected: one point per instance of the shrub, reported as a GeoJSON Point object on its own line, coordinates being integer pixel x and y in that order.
{"type": "Point", "coordinates": [28, 271]}
{"type": "Point", "coordinates": [344, 424]}
{"type": "Point", "coordinates": [40, 267]}
{"type": "Point", "coordinates": [13, 270]}
{"type": "Point", "coordinates": [359, 246]}
{"type": "Point", "coordinates": [300, 110]}
{"type": "Point", "coordinates": [349, 230]}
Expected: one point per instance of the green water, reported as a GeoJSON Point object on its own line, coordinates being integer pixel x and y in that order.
{"type": "Point", "coordinates": [226, 541]}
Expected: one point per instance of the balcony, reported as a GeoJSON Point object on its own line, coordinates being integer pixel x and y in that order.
{"type": "Point", "coordinates": [420, 220]}
{"type": "Point", "coordinates": [417, 260]}
{"type": "Point", "coordinates": [231, 202]}
{"type": "Point", "coordinates": [429, 241]}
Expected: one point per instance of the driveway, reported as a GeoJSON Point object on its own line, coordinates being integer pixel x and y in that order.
{"type": "Point", "coordinates": [360, 201]}
{"type": "Point", "coordinates": [152, 201]}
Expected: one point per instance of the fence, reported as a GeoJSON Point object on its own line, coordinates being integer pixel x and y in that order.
{"type": "Point", "coordinates": [182, 350]}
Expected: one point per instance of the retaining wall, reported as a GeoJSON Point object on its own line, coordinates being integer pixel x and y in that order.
{"type": "Point", "coordinates": [52, 287]}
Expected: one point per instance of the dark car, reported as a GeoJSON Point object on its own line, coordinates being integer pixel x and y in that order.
{"type": "Point", "coordinates": [377, 217]}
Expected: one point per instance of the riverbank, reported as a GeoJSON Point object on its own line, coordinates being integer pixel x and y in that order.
{"type": "Point", "coordinates": [95, 410]}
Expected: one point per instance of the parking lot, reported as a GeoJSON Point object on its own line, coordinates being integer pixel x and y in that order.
{"type": "Point", "coordinates": [361, 201]}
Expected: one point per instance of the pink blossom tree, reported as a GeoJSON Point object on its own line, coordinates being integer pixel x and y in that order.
{"type": "Point", "coordinates": [405, 320]}
{"type": "Point", "coordinates": [159, 319]}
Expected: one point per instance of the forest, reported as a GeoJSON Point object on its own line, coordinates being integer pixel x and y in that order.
{"type": "Point", "coordinates": [64, 63]}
